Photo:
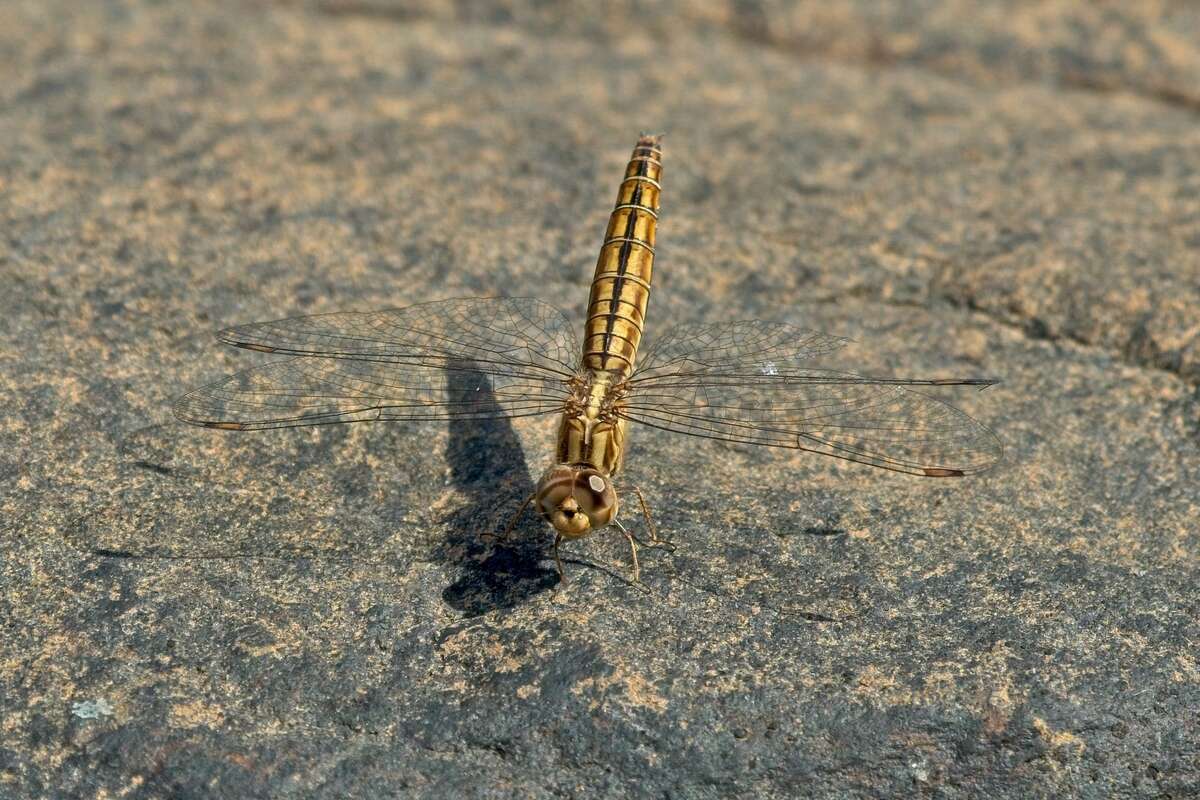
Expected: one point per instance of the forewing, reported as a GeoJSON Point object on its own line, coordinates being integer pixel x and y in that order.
{"type": "Point", "coordinates": [505, 336]}
{"type": "Point", "coordinates": [732, 349]}
{"type": "Point", "coordinates": [321, 391]}
{"type": "Point", "coordinates": [454, 359]}
{"type": "Point", "coordinates": [748, 382]}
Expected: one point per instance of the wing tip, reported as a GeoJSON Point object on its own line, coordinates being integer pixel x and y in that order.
{"type": "Point", "coordinates": [190, 409]}
{"type": "Point", "coordinates": [237, 337]}
{"type": "Point", "coordinates": [184, 414]}
{"type": "Point", "coordinates": [992, 449]}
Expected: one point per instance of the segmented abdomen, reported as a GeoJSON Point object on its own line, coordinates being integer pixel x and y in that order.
{"type": "Point", "coordinates": [621, 285]}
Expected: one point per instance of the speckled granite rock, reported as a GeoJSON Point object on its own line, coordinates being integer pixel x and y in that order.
{"type": "Point", "coordinates": [311, 613]}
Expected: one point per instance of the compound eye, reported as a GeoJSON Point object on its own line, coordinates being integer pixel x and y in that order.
{"type": "Point", "coordinates": [593, 493]}
{"type": "Point", "coordinates": [552, 491]}
{"type": "Point", "coordinates": [554, 495]}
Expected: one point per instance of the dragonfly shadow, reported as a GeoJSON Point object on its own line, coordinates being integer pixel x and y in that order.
{"type": "Point", "coordinates": [488, 464]}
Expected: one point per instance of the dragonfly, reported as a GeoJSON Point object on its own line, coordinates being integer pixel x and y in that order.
{"type": "Point", "coordinates": [750, 382]}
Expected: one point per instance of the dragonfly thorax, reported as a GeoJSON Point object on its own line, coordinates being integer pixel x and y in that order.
{"type": "Point", "coordinates": [595, 394]}
{"type": "Point", "coordinates": [592, 430]}
{"type": "Point", "coordinates": [576, 499]}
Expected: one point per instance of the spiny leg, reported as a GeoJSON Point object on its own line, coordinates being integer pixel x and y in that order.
{"type": "Point", "coordinates": [562, 576]}
{"type": "Point", "coordinates": [637, 570]}
{"type": "Point", "coordinates": [654, 540]}
{"type": "Point", "coordinates": [512, 523]}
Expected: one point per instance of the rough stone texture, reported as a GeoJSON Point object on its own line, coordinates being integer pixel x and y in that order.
{"type": "Point", "coordinates": [1010, 191]}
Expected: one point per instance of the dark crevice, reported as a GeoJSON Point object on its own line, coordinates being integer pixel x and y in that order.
{"type": "Point", "coordinates": [1032, 329]}
{"type": "Point", "coordinates": [368, 10]}
{"type": "Point", "coordinates": [877, 56]}
{"type": "Point", "coordinates": [1171, 96]}
{"type": "Point", "coordinates": [1036, 330]}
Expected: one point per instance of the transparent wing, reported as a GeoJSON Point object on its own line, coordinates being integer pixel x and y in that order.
{"type": "Point", "coordinates": [504, 335]}
{"type": "Point", "coordinates": [322, 391]}
{"type": "Point", "coordinates": [744, 382]}
{"type": "Point", "coordinates": [456, 359]}
{"type": "Point", "coordinates": [754, 347]}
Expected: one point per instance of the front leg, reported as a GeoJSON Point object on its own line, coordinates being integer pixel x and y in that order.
{"type": "Point", "coordinates": [562, 575]}
{"type": "Point", "coordinates": [654, 541]}
{"type": "Point", "coordinates": [637, 570]}
{"type": "Point", "coordinates": [512, 523]}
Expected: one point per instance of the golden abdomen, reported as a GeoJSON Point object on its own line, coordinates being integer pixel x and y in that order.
{"type": "Point", "coordinates": [591, 432]}
{"type": "Point", "coordinates": [621, 284]}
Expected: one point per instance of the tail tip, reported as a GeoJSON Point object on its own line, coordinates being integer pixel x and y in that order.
{"type": "Point", "coordinates": [650, 139]}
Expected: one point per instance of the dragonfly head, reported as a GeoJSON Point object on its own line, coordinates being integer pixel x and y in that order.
{"type": "Point", "coordinates": [576, 498]}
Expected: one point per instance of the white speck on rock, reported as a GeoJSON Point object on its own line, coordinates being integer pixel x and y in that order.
{"type": "Point", "coordinates": [92, 709]}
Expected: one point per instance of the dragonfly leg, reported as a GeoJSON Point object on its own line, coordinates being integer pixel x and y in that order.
{"type": "Point", "coordinates": [562, 576]}
{"type": "Point", "coordinates": [654, 540]}
{"type": "Point", "coordinates": [637, 570]}
{"type": "Point", "coordinates": [512, 523]}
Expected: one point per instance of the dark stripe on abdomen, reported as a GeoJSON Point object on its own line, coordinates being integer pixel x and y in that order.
{"type": "Point", "coordinates": [621, 284]}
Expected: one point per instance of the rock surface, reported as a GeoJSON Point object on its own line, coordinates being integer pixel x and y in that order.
{"type": "Point", "coordinates": [310, 613]}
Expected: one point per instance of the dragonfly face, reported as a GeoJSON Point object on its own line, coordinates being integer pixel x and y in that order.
{"type": "Point", "coordinates": [576, 499]}
{"type": "Point", "coordinates": [751, 382]}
